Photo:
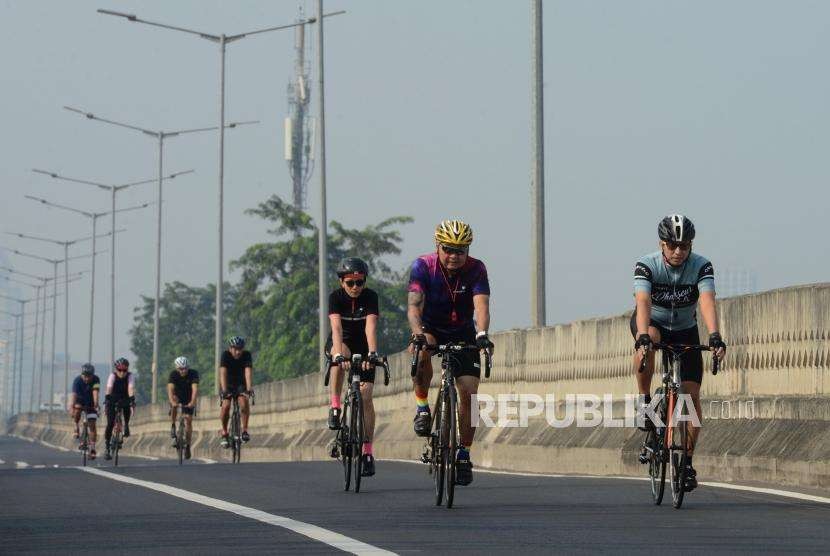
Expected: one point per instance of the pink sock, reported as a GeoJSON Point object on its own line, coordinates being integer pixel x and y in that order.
{"type": "Point", "coordinates": [367, 448]}
{"type": "Point", "coordinates": [335, 401]}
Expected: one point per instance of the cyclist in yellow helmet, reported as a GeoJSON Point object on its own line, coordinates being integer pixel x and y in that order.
{"type": "Point", "coordinates": [449, 301]}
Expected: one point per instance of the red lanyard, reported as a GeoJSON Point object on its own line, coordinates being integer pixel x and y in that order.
{"type": "Point", "coordinates": [453, 293]}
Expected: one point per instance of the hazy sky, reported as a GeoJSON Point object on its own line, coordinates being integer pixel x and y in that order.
{"type": "Point", "coordinates": [715, 109]}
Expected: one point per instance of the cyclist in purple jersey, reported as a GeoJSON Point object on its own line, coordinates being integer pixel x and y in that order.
{"type": "Point", "coordinates": [449, 301]}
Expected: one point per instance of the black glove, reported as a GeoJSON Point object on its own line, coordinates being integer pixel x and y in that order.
{"type": "Point", "coordinates": [643, 340]}
{"type": "Point", "coordinates": [374, 357]}
{"type": "Point", "coordinates": [418, 340]}
{"type": "Point", "coordinates": [225, 394]}
{"type": "Point", "coordinates": [483, 342]}
{"type": "Point", "coordinates": [716, 342]}
{"type": "Point", "coordinates": [132, 401]}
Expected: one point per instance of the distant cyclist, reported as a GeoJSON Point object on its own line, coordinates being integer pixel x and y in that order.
{"type": "Point", "coordinates": [183, 388]}
{"type": "Point", "coordinates": [449, 301]}
{"type": "Point", "coordinates": [353, 312]}
{"type": "Point", "coordinates": [236, 376]}
{"type": "Point", "coordinates": [84, 398]}
{"type": "Point", "coordinates": [120, 391]}
{"type": "Point", "coordinates": [668, 287]}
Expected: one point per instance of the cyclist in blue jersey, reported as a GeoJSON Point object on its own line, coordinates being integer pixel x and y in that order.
{"type": "Point", "coordinates": [449, 301]}
{"type": "Point", "coordinates": [669, 285]}
{"type": "Point", "coordinates": [84, 398]}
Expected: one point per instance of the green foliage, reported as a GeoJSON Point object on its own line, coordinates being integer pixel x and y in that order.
{"type": "Point", "coordinates": [275, 303]}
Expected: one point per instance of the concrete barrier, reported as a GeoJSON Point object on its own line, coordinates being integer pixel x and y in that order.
{"type": "Point", "coordinates": [767, 412]}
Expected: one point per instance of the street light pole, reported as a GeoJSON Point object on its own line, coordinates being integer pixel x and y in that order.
{"type": "Point", "coordinates": [222, 40]}
{"type": "Point", "coordinates": [94, 216]}
{"type": "Point", "coordinates": [322, 234]}
{"type": "Point", "coordinates": [161, 136]}
{"type": "Point", "coordinates": [113, 189]}
{"type": "Point", "coordinates": [537, 184]}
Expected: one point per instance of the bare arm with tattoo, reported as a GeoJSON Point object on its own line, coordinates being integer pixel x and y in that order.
{"type": "Point", "coordinates": [414, 311]}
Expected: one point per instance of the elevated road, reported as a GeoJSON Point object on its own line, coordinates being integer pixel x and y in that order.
{"type": "Point", "coordinates": [156, 506]}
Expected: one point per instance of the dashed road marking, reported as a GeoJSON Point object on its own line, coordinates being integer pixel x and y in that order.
{"type": "Point", "coordinates": [21, 464]}
{"type": "Point", "coordinates": [330, 538]}
{"type": "Point", "coordinates": [207, 460]}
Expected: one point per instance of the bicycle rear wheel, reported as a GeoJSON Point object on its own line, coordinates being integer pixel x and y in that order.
{"type": "Point", "coordinates": [679, 455]}
{"type": "Point", "coordinates": [345, 444]}
{"type": "Point", "coordinates": [452, 444]}
{"type": "Point", "coordinates": [438, 440]}
{"type": "Point", "coordinates": [357, 440]}
{"type": "Point", "coordinates": [116, 438]}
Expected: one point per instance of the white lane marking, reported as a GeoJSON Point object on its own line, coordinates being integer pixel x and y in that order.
{"type": "Point", "coordinates": [153, 458]}
{"type": "Point", "coordinates": [207, 460]}
{"type": "Point", "coordinates": [330, 538]}
{"type": "Point", "coordinates": [2, 462]}
{"type": "Point", "coordinates": [39, 467]}
{"type": "Point", "coordinates": [21, 464]}
{"type": "Point", "coordinates": [47, 444]}
{"type": "Point", "coordinates": [761, 490]}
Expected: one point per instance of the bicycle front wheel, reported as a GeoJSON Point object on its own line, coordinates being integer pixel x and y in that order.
{"type": "Point", "coordinates": [656, 443]}
{"type": "Point", "coordinates": [357, 440]}
{"type": "Point", "coordinates": [679, 455]}
{"type": "Point", "coordinates": [346, 445]}
{"type": "Point", "coordinates": [452, 444]}
{"type": "Point", "coordinates": [180, 440]}
{"type": "Point", "coordinates": [438, 440]}
{"type": "Point", "coordinates": [85, 443]}
{"type": "Point", "coordinates": [236, 435]}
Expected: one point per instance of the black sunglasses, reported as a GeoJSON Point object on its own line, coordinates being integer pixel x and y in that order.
{"type": "Point", "coordinates": [353, 283]}
{"type": "Point", "coordinates": [453, 250]}
{"type": "Point", "coordinates": [683, 246]}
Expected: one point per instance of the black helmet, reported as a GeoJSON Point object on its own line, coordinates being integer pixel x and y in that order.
{"type": "Point", "coordinates": [676, 228]}
{"type": "Point", "coordinates": [87, 369]}
{"type": "Point", "coordinates": [237, 342]}
{"type": "Point", "coordinates": [121, 363]}
{"type": "Point", "coordinates": [352, 265]}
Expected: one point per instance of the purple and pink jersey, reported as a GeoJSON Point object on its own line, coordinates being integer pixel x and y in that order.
{"type": "Point", "coordinates": [439, 288]}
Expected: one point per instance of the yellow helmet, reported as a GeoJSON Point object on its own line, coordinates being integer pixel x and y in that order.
{"type": "Point", "coordinates": [454, 233]}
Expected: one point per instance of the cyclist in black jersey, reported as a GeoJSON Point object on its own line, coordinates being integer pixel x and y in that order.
{"type": "Point", "coordinates": [120, 390]}
{"type": "Point", "coordinates": [236, 379]}
{"type": "Point", "coordinates": [182, 388]}
{"type": "Point", "coordinates": [353, 313]}
{"type": "Point", "coordinates": [669, 286]}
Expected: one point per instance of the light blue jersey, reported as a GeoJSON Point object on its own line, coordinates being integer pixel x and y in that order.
{"type": "Point", "coordinates": [674, 290]}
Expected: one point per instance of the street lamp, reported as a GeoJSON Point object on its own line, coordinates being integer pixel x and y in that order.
{"type": "Point", "coordinates": [222, 40]}
{"type": "Point", "coordinates": [19, 345]}
{"type": "Point", "coordinates": [65, 245]}
{"type": "Point", "coordinates": [54, 263]}
{"type": "Point", "coordinates": [161, 136]}
{"type": "Point", "coordinates": [113, 189]}
{"type": "Point", "coordinates": [13, 377]}
{"type": "Point", "coordinates": [94, 216]}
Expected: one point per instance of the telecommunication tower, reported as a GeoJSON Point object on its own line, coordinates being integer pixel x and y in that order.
{"type": "Point", "coordinates": [299, 126]}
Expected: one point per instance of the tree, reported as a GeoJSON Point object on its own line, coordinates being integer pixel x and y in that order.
{"type": "Point", "coordinates": [274, 305]}
{"type": "Point", "coordinates": [277, 302]}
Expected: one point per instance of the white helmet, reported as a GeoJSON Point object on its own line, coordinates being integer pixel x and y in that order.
{"type": "Point", "coordinates": [182, 363]}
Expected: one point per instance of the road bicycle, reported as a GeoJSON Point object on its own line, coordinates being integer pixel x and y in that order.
{"type": "Point", "coordinates": [442, 445]}
{"type": "Point", "coordinates": [667, 444]}
{"type": "Point", "coordinates": [349, 438]}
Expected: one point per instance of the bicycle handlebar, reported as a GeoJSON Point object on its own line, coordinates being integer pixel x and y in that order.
{"type": "Point", "coordinates": [683, 348]}
{"type": "Point", "coordinates": [380, 361]}
{"type": "Point", "coordinates": [440, 349]}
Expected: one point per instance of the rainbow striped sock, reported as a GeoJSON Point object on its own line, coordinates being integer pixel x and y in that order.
{"type": "Point", "coordinates": [422, 403]}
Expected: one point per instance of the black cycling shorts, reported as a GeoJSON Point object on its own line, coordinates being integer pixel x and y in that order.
{"type": "Point", "coordinates": [691, 362]}
{"type": "Point", "coordinates": [356, 348]}
{"type": "Point", "coordinates": [469, 362]}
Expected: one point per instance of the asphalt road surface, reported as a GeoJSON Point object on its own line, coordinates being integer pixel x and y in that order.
{"type": "Point", "coordinates": [49, 505]}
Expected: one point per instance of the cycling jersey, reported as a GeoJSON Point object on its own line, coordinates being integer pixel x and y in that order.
{"type": "Point", "coordinates": [183, 385]}
{"type": "Point", "coordinates": [118, 388]}
{"type": "Point", "coordinates": [353, 312]}
{"type": "Point", "coordinates": [83, 390]}
{"type": "Point", "coordinates": [674, 290]}
{"type": "Point", "coordinates": [236, 368]}
{"type": "Point", "coordinates": [448, 300]}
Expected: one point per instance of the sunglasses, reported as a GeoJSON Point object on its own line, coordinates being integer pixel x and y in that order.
{"type": "Point", "coordinates": [453, 250]}
{"type": "Point", "coordinates": [684, 246]}
{"type": "Point", "coordinates": [353, 283]}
